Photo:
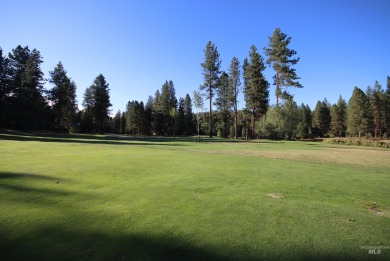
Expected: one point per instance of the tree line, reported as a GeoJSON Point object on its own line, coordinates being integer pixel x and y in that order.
{"type": "Point", "coordinates": [27, 105]}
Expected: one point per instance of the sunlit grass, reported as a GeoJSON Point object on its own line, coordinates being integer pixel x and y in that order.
{"type": "Point", "coordinates": [111, 198]}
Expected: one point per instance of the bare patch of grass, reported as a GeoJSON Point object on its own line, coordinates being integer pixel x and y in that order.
{"type": "Point", "coordinates": [366, 157]}
{"type": "Point", "coordinates": [275, 196]}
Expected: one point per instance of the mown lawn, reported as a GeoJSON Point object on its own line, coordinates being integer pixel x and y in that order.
{"type": "Point", "coordinates": [85, 197]}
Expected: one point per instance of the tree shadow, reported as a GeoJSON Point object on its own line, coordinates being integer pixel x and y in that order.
{"type": "Point", "coordinates": [63, 240]}
{"type": "Point", "coordinates": [89, 139]}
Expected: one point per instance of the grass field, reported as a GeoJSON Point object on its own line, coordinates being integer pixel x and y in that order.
{"type": "Point", "coordinates": [84, 197]}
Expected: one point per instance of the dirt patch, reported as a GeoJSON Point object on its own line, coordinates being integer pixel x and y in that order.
{"type": "Point", "coordinates": [375, 208]}
{"type": "Point", "coordinates": [275, 196]}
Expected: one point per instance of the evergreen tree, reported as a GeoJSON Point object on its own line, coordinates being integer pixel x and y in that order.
{"type": "Point", "coordinates": [198, 103]}
{"type": "Point", "coordinates": [189, 122]}
{"type": "Point", "coordinates": [339, 117]}
{"type": "Point", "coordinates": [387, 108]}
{"type": "Point", "coordinates": [256, 86]}
{"type": "Point", "coordinates": [280, 57]}
{"type": "Point", "coordinates": [289, 119]}
{"type": "Point", "coordinates": [304, 128]}
{"type": "Point", "coordinates": [376, 107]}
{"type": "Point", "coordinates": [123, 123]}
{"type": "Point", "coordinates": [97, 103]}
{"type": "Point", "coordinates": [27, 104]}
{"type": "Point", "coordinates": [210, 71]}
{"type": "Point", "coordinates": [135, 118]}
{"type": "Point", "coordinates": [322, 117]}
{"type": "Point", "coordinates": [116, 123]}
{"type": "Point", "coordinates": [63, 98]}
{"type": "Point", "coordinates": [149, 116]}
{"type": "Point", "coordinates": [4, 88]}
{"type": "Point", "coordinates": [181, 117]}
{"type": "Point", "coordinates": [223, 102]}
{"type": "Point", "coordinates": [369, 116]}
{"type": "Point", "coordinates": [357, 113]}
{"type": "Point", "coordinates": [157, 114]}
{"type": "Point", "coordinates": [234, 86]}
{"type": "Point", "coordinates": [167, 103]}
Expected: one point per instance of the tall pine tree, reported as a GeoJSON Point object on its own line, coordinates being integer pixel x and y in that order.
{"type": "Point", "coordinates": [97, 104]}
{"type": "Point", "coordinates": [234, 86]}
{"type": "Point", "coordinates": [210, 71]}
{"type": "Point", "coordinates": [357, 113]}
{"type": "Point", "coordinates": [256, 86]}
{"type": "Point", "coordinates": [63, 98]}
{"type": "Point", "coordinates": [280, 56]}
{"type": "Point", "coordinates": [223, 102]}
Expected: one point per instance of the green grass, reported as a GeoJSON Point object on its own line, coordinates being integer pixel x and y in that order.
{"type": "Point", "coordinates": [86, 197]}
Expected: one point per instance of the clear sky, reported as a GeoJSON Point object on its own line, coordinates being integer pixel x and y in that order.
{"type": "Point", "coordinates": [137, 45]}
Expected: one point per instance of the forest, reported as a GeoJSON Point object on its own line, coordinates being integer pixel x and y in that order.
{"type": "Point", "coordinates": [25, 103]}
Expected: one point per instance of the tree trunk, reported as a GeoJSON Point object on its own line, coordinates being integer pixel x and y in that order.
{"type": "Point", "coordinates": [210, 116]}
{"type": "Point", "coordinates": [235, 122]}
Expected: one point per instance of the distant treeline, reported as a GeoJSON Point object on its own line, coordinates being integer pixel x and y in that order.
{"type": "Point", "coordinates": [26, 105]}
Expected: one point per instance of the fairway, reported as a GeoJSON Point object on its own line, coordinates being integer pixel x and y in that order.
{"type": "Point", "coordinates": [90, 197]}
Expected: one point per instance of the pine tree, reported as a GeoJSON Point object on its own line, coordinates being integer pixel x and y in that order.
{"type": "Point", "coordinates": [26, 101]}
{"type": "Point", "coordinates": [387, 108]}
{"type": "Point", "coordinates": [357, 113]}
{"type": "Point", "coordinates": [322, 117]}
{"type": "Point", "coordinates": [256, 86]}
{"type": "Point", "coordinates": [116, 123]}
{"type": "Point", "coordinates": [97, 103]}
{"type": "Point", "coordinates": [304, 128]}
{"type": "Point", "coordinates": [167, 103]}
{"type": "Point", "coordinates": [4, 88]}
{"type": "Point", "coordinates": [149, 116]}
{"type": "Point", "coordinates": [339, 117]}
{"type": "Point", "coordinates": [181, 117]}
{"type": "Point", "coordinates": [210, 71]}
{"type": "Point", "coordinates": [63, 98]}
{"type": "Point", "coordinates": [376, 107]}
{"type": "Point", "coordinates": [189, 122]}
{"type": "Point", "coordinates": [289, 118]}
{"type": "Point", "coordinates": [234, 86]}
{"type": "Point", "coordinates": [280, 57]}
{"type": "Point", "coordinates": [223, 101]}
{"type": "Point", "coordinates": [198, 103]}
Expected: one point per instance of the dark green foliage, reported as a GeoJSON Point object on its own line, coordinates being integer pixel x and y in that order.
{"type": "Point", "coordinates": [256, 87]}
{"type": "Point", "coordinates": [322, 117]}
{"type": "Point", "coordinates": [116, 123]}
{"type": "Point", "coordinates": [234, 86]}
{"type": "Point", "coordinates": [210, 71]}
{"type": "Point", "coordinates": [376, 105]}
{"type": "Point", "coordinates": [135, 118]}
{"type": "Point", "coordinates": [180, 117]}
{"type": "Point", "coordinates": [167, 103]}
{"type": "Point", "coordinates": [189, 116]}
{"type": "Point", "coordinates": [224, 103]}
{"type": "Point", "coordinates": [339, 118]}
{"type": "Point", "coordinates": [281, 59]}
{"type": "Point", "coordinates": [305, 123]}
{"type": "Point", "coordinates": [357, 113]}
{"type": "Point", "coordinates": [199, 106]}
{"type": "Point", "coordinates": [387, 107]}
{"type": "Point", "coordinates": [22, 87]}
{"type": "Point", "coordinates": [63, 98]}
{"type": "Point", "coordinates": [96, 105]}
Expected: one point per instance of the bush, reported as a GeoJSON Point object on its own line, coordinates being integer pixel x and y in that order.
{"type": "Point", "coordinates": [359, 142]}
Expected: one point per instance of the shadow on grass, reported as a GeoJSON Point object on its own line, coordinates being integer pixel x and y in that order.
{"type": "Point", "coordinates": [62, 239]}
{"type": "Point", "coordinates": [89, 139]}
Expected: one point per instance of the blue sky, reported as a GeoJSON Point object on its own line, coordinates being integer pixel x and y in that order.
{"type": "Point", "coordinates": [137, 45]}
